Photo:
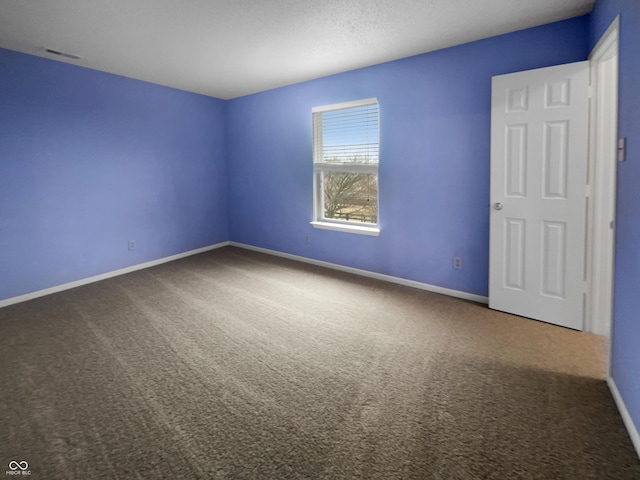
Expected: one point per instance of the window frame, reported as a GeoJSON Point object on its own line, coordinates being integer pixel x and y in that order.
{"type": "Point", "coordinates": [319, 168]}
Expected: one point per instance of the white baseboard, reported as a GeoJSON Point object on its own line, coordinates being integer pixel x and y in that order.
{"type": "Point", "coordinates": [366, 273]}
{"type": "Point", "coordinates": [334, 266]}
{"type": "Point", "coordinates": [624, 413]}
{"type": "Point", "coordinates": [104, 276]}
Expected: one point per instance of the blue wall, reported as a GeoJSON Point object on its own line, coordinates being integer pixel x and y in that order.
{"type": "Point", "coordinates": [626, 319]}
{"type": "Point", "coordinates": [90, 160]}
{"type": "Point", "coordinates": [434, 167]}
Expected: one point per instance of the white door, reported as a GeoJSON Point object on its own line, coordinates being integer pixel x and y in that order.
{"type": "Point", "coordinates": [539, 143]}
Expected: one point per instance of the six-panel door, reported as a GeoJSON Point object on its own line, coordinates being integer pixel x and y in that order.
{"type": "Point", "coordinates": [539, 135]}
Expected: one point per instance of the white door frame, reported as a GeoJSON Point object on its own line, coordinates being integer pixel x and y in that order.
{"type": "Point", "coordinates": [602, 182]}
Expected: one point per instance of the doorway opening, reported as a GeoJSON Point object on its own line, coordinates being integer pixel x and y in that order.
{"type": "Point", "coordinates": [601, 207]}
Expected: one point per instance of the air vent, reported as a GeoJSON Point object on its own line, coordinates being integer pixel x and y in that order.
{"type": "Point", "coordinates": [62, 54]}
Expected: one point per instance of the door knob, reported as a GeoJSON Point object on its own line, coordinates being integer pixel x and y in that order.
{"type": "Point", "coordinates": [498, 206]}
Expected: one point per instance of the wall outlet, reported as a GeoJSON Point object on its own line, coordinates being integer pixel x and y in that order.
{"type": "Point", "coordinates": [457, 263]}
{"type": "Point", "coordinates": [132, 244]}
{"type": "Point", "coordinates": [307, 238]}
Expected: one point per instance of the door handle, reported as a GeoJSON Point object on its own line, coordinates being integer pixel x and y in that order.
{"type": "Point", "coordinates": [498, 206]}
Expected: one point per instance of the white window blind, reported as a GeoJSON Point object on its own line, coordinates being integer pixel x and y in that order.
{"type": "Point", "coordinates": [347, 134]}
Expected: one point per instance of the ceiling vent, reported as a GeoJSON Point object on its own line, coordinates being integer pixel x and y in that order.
{"type": "Point", "coordinates": [62, 54]}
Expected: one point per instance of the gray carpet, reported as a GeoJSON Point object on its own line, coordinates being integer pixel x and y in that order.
{"type": "Point", "coordinates": [237, 365]}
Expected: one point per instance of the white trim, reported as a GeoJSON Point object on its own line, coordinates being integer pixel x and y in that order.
{"type": "Point", "coordinates": [104, 276]}
{"type": "Point", "coordinates": [338, 106]}
{"type": "Point", "coordinates": [607, 39]}
{"type": "Point", "coordinates": [624, 413]}
{"type": "Point", "coordinates": [345, 227]}
{"type": "Point", "coordinates": [366, 273]}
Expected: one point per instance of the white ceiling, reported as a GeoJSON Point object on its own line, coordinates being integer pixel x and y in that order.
{"type": "Point", "coordinates": [230, 48]}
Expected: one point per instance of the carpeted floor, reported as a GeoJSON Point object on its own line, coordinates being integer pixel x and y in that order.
{"type": "Point", "coordinates": [237, 365]}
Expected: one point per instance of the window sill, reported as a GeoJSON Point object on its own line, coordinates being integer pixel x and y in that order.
{"type": "Point", "coordinates": [340, 227]}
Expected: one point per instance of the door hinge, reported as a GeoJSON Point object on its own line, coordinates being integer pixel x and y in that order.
{"type": "Point", "coordinates": [587, 190]}
{"type": "Point", "coordinates": [586, 287]}
{"type": "Point", "coordinates": [590, 91]}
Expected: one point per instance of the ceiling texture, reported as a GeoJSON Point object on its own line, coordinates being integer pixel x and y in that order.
{"type": "Point", "coordinates": [231, 48]}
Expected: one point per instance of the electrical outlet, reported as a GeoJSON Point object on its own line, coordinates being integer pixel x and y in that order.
{"type": "Point", "coordinates": [132, 244]}
{"type": "Point", "coordinates": [307, 238]}
{"type": "Point", "coordinates": [457, 263]}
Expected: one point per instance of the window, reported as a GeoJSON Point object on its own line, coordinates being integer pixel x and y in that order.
{"type": "Point", "coordinates": [345, 166]}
